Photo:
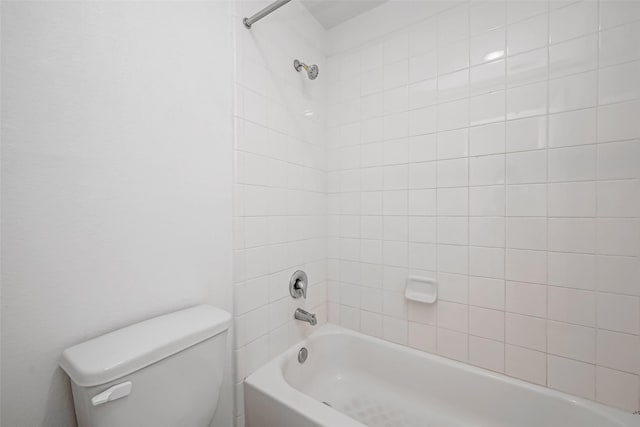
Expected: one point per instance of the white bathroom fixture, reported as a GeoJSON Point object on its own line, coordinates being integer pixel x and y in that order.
{"type": "Point", "coordinates": [349, 379]}
{"type": "Point", "coordinates": [421, 289]}
{"type": "Point", "coordinates": [164, 371]}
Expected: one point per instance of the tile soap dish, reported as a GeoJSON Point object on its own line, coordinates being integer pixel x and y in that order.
{"type": "Point", "coordinates": [421, 289]}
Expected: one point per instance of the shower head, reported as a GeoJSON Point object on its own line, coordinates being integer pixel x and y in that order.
{"type": "Point", "coordinates": [312, 70]}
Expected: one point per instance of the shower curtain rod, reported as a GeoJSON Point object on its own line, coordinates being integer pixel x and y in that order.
{"type": "Point", "coordinates": [248, 22]}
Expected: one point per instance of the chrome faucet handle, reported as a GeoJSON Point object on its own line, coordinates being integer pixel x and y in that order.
{"type": "Point", "coordinates": [298, 285]}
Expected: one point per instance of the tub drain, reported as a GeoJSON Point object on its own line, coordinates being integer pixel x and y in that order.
{"type": "Point", "coordinates": [302, 355]}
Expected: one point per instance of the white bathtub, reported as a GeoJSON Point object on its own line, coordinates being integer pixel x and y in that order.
{"type": "Point", "coordinates": [368, 381]}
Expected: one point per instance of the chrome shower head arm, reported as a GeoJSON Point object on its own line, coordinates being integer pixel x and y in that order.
{"type": "Point", "coordinates": [297, 65]}
{"type": "Point", "coordinates": [312, 70]}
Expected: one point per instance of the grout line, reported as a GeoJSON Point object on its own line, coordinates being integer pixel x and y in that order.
{"type": "Point", "coordinates": [597, 190]}
{"type": "Point", "coordinates": [468, 157]}
{"type": "Point", "coordinates": [504, 213]}
{"type": "Point", "coordinates": [478, 125]}
{"type": "Point", "coordinates": [548, 103]}
{"type": "Point", "coordinates": [437, 158]}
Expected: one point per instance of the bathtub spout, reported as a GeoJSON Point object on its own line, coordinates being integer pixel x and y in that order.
{"type": "Point", "coordinates": [305, 316]}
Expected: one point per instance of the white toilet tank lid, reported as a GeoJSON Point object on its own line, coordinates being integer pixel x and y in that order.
{"type": "Point", "coordinates": [121, 352]}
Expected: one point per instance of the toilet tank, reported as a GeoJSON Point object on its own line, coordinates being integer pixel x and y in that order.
{"type": "Point", "coordinates": [166, 371]}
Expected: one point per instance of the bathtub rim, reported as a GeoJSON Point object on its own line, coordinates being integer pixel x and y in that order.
{"type": "Point", "coordinates": [270, 380]}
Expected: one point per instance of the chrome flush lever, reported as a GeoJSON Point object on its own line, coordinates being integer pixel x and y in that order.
{"type": "Point", "coordinates": [298, 285]}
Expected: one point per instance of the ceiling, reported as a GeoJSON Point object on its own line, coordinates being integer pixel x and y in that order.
{"type": "Point", "coordinates": [330, 13]}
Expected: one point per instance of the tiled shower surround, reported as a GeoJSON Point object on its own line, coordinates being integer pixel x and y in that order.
{"type": "Point", "coordinates": [280, 200]}
{"type": "Point", "coordinates": [491, 146]}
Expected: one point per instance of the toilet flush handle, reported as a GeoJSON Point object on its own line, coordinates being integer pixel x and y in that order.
{"type": "Point", "coordinates": [116, 392]}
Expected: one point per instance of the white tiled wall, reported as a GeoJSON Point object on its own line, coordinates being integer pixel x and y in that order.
{"type": "Point", "coordinates": [493, 146]}
{"type": "Point", "coordinates": [280, 183]}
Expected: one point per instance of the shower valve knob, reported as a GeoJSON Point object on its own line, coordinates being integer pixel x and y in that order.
{"type": "Point", "coordinates": [298, 285]}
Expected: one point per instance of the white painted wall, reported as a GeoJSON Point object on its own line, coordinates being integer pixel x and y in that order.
{"type": "Point", "coordinates": [116, 179]}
